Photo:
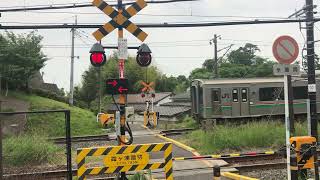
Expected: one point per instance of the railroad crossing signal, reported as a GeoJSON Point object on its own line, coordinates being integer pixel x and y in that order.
{"type": "Point", "coordinates": [147, 87]}
{"type": "Point", "coordinates": [120, 19]}
{"type": "Point", "coordinates": [117, 86]}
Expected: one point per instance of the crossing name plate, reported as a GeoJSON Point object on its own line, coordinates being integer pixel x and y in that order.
{"type": "Point", "coordinates": [286, 69]}
{"type": "Point", "coordinates": [127, 159]}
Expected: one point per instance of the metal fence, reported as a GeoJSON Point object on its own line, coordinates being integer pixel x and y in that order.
{"type": "Point", "coordinates": [67, 135]}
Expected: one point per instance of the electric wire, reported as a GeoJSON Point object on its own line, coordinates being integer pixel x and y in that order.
{"type": "Point", "coordinates": [77, 5]}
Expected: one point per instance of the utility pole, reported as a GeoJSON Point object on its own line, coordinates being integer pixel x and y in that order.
{"type": "Point", "coordinates": [215, 63]}
{"type": "Point", "coordinates": [72, 63]}
{"type": "Point", "coordinates": [1, 136]}
{"type": "Point", "coordinates": [311, 76]}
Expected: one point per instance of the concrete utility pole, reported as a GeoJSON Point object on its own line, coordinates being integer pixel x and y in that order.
{"type": "Point", "coordinates": [1, 156]}
{"type": "Point", "coordinates": [72, 63]}
{"type": "Point", "coordinates": [215, 63]}
{"type": "Point", "coordinates": [311, 76]}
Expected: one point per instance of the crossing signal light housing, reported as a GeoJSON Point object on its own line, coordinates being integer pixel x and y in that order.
{"type": "Point", "coordinates": [97, 57]}
{"type": "Point", "coordinates": [144, 55]}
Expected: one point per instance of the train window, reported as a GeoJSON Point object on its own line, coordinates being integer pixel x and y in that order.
{"type": "Point", "coordinates": [215, 95]}
{"type": "Point", "coordinates": [300, 92]}
{"type": "Point", "coordinates": [271, 94]}
{"type": "Point", "coordinates": [235, 95]}
{"type": "Point", "coordinates": [194, 98]}
{"type": "Point", "coordinates": [200, 96]}
{"type": "Point", "coordinates": [244, 95]}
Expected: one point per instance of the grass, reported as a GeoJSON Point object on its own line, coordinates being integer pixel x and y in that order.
{"type": "Point", "coordinates": [29, 149]}
{"type": "Point", "coordinates": [140, 176]}
{"type": "Point", "coordinates": [238, 137]}
{"type": "Point", "coordinates": [8, 110]}
{"type": "Point", "coordinates": [83, 122]}
{"type": "Point", "coordinates": [32, 146]}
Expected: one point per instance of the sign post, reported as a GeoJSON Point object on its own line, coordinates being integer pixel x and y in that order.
{"type": "Point", "coordinates": [286, 50]}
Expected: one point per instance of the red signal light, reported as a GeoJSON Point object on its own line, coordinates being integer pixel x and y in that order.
{"type": "Point", "coordinates": [97, 59]}
{"type": "Point", "coordinates": [143, 95]}
{"type": "Point", "coordinates": [153, 95]}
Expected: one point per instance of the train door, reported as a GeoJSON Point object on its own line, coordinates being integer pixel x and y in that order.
{"type": "Point", "coordinates": [244, 102]}
{"type": "Point", "coordinates": [235, 102]}
{"type": "Point", "coordinates": [194, 100]}
{"type": "Point", "coordinates": [240, 102]}
{"type": "Point", "coordinates": [216, 101]}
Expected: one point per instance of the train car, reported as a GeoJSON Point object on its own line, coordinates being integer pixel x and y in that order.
{"type": "Point", "coordinates": [249, 97]}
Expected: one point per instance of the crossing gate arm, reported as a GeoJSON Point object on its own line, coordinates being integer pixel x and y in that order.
{"type": "Point", "coordinates": [114, 152]}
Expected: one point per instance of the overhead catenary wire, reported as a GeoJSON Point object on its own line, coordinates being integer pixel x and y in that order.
{"type": "Point", "coordinates": [160, 25]}
{"type": "Point", "coordinates": [77, 5]}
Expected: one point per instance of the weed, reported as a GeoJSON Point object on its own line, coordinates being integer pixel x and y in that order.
{"type": "Point", "coordinates": [236, 137]}
{"type": "Point", "coordinates": [28, 150]}
{"type": "Point", "coordinates": [8, 110]}
{"type": "Point", "coordinates": [138, 176]}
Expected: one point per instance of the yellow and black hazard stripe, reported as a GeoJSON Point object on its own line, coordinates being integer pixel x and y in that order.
{"type": "Point", "coordinates": [106, 8]}
{"type": "Point", "coordinates": [168, 169]}
{"type": "Point", "coordinates": [135, 30]}
{"type": "Point", "coordinates": [144, 148]}
{"type": "Point", "coordinates": [134, 9]}
{"type": "Point", "coordinates": [120, 20]}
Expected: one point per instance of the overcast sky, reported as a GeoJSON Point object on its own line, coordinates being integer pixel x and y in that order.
{"type": "Point", "coordinates": [176, 51]}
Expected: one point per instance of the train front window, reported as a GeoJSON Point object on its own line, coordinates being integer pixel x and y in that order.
{"type": "Point", "coordinates": [244, 95]}
{"type": "Point", "coordinates": [235, 96]}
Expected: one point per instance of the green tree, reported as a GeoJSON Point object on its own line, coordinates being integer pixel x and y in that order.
{"type": "Point", "coordinates": [243, 55]}
{"type": "Point", "coordinates": [20, 58]}
{"type": "Point", "coordinates": [90, 86]}
{"type": "Point", "coordinates": [200, 73]}
{"type": "Point", "coordinates": [240, 63]}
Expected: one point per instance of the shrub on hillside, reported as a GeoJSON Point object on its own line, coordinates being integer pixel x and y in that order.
{"type": "Point", "coordinates": [49, 94]}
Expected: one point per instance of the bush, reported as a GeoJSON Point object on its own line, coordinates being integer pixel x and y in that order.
{"type": "Point", "coordinates": [50, 95]}
{"type": "Point", "coordinates": [8, 110]}
{"type": "Point", "coordinates": [28, 150]}
{"type": "Point", "coordinates": [139, 176]}
{"type": "Point", "coordinates": [189, 122]}
{"type": "Point", "coordinates": [238, 137]}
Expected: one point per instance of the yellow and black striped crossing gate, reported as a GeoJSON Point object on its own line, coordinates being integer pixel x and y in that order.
{"type": "Point", "coordinates": [118, 159]}
{"type": "Point", "coordinates": [120, 19]}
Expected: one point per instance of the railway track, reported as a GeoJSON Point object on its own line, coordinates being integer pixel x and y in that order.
{"type": "Point", "coordinates": [91, 138]}
{"type": "Point", "coordinates": [260, 166]}
{"type": "Point", "coordinates": [173, 132]}
{"type": "Point", "coordinates": [62, 173]}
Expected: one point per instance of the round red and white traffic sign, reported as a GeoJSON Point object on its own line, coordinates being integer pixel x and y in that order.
{"type": "Point", "coordinates": [285, 49]}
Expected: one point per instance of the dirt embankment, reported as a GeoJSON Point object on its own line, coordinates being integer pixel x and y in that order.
{"type": "Point", "coordinates": [15, 123]}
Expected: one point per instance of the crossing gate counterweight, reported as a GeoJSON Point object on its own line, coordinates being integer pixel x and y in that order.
{"type": "Point", "coordinates": [124, 159]}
